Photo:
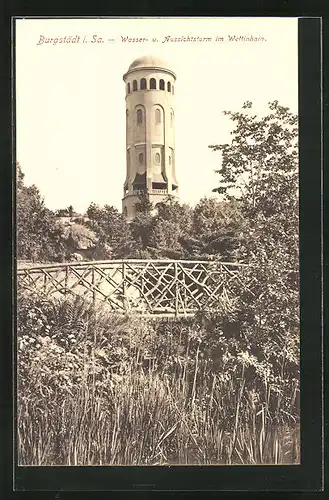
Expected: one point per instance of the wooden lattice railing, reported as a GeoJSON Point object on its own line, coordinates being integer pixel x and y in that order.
{"type": "Point", "coordinates": [150, 287]}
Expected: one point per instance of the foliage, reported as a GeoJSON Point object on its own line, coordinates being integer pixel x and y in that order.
{"type": "Point", "coordinates": [114, 239]}
{"type": "Point", "coordinates": [178, 231]}
{"type": "Point", "coordinates": [260, 171]}
{"type": "Point", "coordinates": [65, 212]}
{"type": "Point", "coordinates": [168, 231]}
{"type": "Point", "coordinates": [260, 168]}
{"type": "Point", "coordinates": [171, 224]}
{"type": "Point", "coordinates": [97, 389]}
{"type": "Point", "coordinates": [141, 230]}
{"type": "Point", "coordinates": [38, 235]}
{"type": "Point", "coordinates": [144, 205]}
{"type": "Point", "coordinates": [215, 230]}
{"type": "Point", "coordinates": [79, 236]}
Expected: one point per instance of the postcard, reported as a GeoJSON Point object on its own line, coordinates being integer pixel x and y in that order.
{"type": "Point", "coordinates": [157, 214]}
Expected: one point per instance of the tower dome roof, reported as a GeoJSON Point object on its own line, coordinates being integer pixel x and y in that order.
{"type": "Point", "coordinates": [149, 61]}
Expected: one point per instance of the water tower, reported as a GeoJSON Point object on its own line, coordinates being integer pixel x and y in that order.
{"type": "Point", "coordinates": [150, 133]}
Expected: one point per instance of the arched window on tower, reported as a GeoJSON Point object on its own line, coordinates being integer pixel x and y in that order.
{"type": "Point", "coordinates": [128, 88]}
{"type": "Point", "coordinates": [172, 89]}
{"type": "Point", "coordinates": [139, 116]}
{"type": "Point", "coordinates": [143, 84]}
{"type": "Point", "coordinates": [169, 86]}
{"type": "Point", "coordinates": [162, 85]}
{"type": "Point", "coordinates": [153, 83]}
{"type": "Point", "coordinates": [141, 158]}
{"type": "Point", "coordinates": [157, 116]}
{"type": "Point", "coordinates": [157, 158]}
{"type": "Point", "coordinates": [134, 85]}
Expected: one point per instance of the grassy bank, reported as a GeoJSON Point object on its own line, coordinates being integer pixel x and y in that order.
{"type": "Point", "coordinates": [95, 388]}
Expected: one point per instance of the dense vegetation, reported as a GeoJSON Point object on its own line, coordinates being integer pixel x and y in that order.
{"type": "Point", "coordinates": [176, 231]}
{"type": "Point", "coordinates": [95, 388]}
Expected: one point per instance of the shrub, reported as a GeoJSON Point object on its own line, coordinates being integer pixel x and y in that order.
{"type": "Point", "coordinates": [97, 388]}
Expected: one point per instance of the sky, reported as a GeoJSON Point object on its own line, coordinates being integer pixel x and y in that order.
{"type": "Point", "coordinates": [70, 97]}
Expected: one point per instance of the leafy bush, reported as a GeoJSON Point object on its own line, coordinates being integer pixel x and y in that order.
{"type": "Point", "coordinates": [98, 388]}
{"type": "Point", "coordinates": [38, 235]}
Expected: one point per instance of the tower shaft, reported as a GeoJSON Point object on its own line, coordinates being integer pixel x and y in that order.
{"type": "Point", "coordinates": [150, 134]}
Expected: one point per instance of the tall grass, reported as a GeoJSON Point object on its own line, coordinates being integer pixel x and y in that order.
{"type": "Point", "coordinates": [99, 389]}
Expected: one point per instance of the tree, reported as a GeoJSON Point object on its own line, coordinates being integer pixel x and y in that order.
{"type": "Point", "coordinates": [144, 205]}
{"type": "Point", "coordinates": [61, 212]}
{"type": "Point", "coordinates": [159, 231]}
{"type": "Point", "coordinates": [141, 229]}
{"type": "Point", "coordinates": [114, 239]}
{"type": "Point", "coordinates": [38, 235]}
{"type": "Point", "coordinates": [260, 170]}
{"type": "Point", "coordinates": [172, 224]}
{"type": "Point", "coordinates": [215, 230]}
{"type": "Point", "coordinates": [65, 212]}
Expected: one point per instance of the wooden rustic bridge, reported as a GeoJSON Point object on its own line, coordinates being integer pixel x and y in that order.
{"type": "Point", "coordinates": [149, 287]}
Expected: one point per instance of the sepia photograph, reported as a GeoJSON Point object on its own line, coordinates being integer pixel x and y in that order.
{"type": "Point", "coordinates": [157, 241]}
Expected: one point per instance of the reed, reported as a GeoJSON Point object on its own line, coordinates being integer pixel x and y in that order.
{"type": "Point", "coordinates": [97, 389]}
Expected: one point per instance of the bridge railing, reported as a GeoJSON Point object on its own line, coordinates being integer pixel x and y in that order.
{"type": "Point", "coordinates": [149, 287]}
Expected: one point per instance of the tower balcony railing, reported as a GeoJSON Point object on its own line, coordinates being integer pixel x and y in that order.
{"type": "Point", "coordinates": [159, 191]}
{"type": "Point", "coordinates": [138, 192]}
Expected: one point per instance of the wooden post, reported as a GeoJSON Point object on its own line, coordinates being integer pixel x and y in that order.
{"type": "Point", "coordinates": [66, 280]}
{"type": "Point", "coordinates": [176, 289]}
{"type": "Point", "coordinates": [124, 298]}
{"type": "Point", "coordinates": [142, 288]}
{"type": "Point", "coordinates": [93, 283]}
{"type": "Point", "coordinates": [184, 290]}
